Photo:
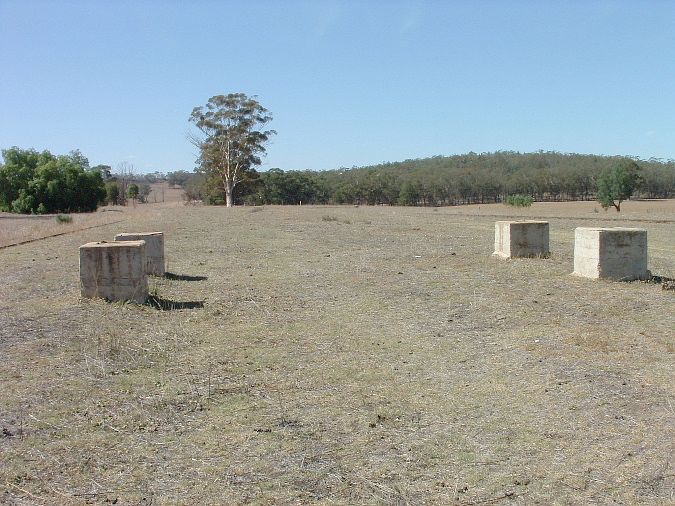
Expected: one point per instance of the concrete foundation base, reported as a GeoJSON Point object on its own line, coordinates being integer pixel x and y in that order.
{"type": "Point", "coordinates": [521, 239]}
{"type": "Point", "coordinates": [114, 271]}
{"type": "Point", "coordinates": [611, 253]}
{"type": "Point", "coordinates": [154, 249]}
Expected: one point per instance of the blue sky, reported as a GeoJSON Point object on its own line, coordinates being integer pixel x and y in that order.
{"type": "Point", "coordinates": [348, 83]}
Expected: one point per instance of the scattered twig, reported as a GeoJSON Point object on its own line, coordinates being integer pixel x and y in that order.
{"type": "Point", "coordinates": [507, 495]}
{"type": "Point", "coordinates": [94, 494]}
{"type": "Point", "coordinates": [26, 492]}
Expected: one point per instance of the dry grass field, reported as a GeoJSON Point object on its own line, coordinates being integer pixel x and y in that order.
{"type": "Point", "coordinates": [23, 228]}
{"type": "Point", "coordinates": [340, 355]}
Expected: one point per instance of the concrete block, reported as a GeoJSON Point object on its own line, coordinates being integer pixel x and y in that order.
{"type": "Point", "coordinates": [521, 239]}
{"type": "Point", "coordinates": [611, 253]}
{"type": "Point", "coordinates": [154, 249]}
{"type": "Point", "coordinates": [114, 270]}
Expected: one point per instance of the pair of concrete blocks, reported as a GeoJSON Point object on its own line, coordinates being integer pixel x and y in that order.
{"type": "Point", "coordinates": [608, 253]}
{"type": "Point", "coordinates": [119, 270]}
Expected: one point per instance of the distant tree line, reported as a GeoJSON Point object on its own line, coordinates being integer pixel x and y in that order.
{"type": "Point", "coordinates": [40, 182]}
{"type": "Point", "coordinates": [447, 180]}
{"type": "Point", "coordinates": [124, 184]}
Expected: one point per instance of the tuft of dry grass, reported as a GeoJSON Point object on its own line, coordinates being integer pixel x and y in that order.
{"type": "Point", "coordinates": [298, 360]}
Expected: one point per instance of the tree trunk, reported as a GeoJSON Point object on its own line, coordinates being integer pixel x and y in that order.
{"type": "Point", "coordinates": [228, 193]}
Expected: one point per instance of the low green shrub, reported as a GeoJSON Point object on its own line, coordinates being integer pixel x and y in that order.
{"type": "Point", "coordinates": [63, 218]}
{"type": "Point", "coordinates": [519, 200]}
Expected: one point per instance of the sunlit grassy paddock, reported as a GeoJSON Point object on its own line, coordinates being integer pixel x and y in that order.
{"type": "Point", "coordinates": [340, 355]}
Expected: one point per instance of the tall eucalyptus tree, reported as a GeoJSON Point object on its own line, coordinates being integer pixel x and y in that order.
{"type": "Point", "coordinates": [233, 139]}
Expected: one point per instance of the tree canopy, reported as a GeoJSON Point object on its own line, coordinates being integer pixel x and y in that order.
{"type": "Point", "coordinates": [32, 182]}
{"type": "Point", "coordinates": [105, 171]}
{"type": "Point", "coordinates": [233, 139]}
{"type": "Point", "coordinates": [132, 191]}
{"type": "Point", "coordinates": [617, 183]}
